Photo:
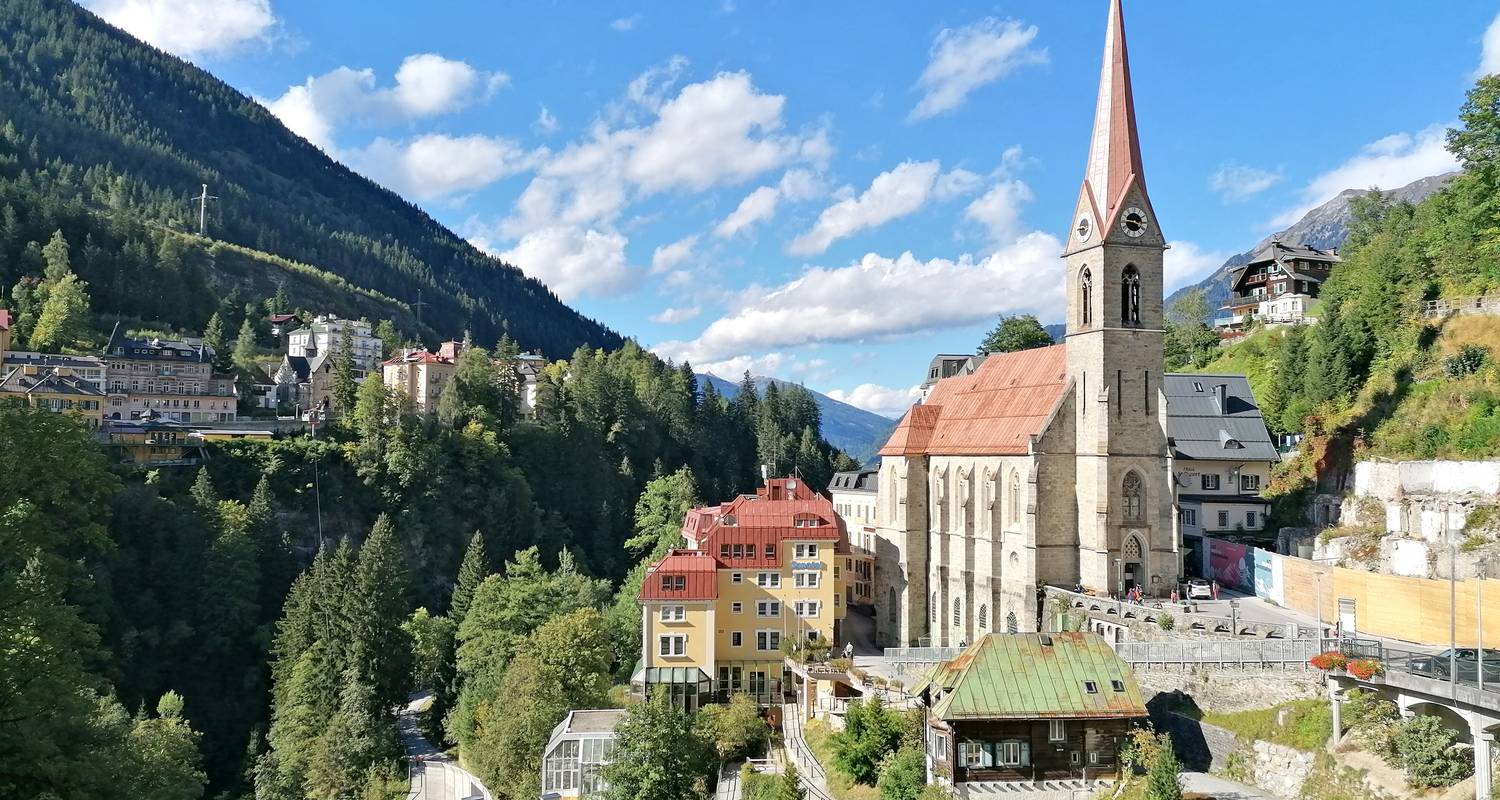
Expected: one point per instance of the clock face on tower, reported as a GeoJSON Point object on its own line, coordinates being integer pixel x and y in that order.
{"type": "Point", "coordinates": [1133, 222]}
{"type": "Point", "coordinates": [1085, 227]}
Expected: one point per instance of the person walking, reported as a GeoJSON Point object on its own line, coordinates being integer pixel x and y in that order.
{"type": "Point", "coordinates": [1216, 590]}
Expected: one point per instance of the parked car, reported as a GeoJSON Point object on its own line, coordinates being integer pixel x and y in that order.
{"type": "Point", "coordinates": [1440, 665]}
{"type": "Point", "coordinates": [1199, 589]}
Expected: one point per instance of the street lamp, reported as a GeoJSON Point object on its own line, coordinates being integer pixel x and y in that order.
{"type": "Point", "coordinates": [1234, 618]}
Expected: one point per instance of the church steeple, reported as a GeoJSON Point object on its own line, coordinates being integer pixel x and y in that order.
{"type": "Point", "coordinates": [1114, 164]}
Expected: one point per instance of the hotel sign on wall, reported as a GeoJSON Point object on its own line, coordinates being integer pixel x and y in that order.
{"type": "Point", "coordinates": [807, 565]}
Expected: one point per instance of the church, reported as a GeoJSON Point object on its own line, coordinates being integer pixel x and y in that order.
{"type": "Point", "coordinates": [1046, 466]}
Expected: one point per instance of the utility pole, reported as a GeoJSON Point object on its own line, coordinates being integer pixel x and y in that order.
{"type": "Point", "coordinates": [418, 306]}
{"type": "Point", "coordinates": [203, 199]}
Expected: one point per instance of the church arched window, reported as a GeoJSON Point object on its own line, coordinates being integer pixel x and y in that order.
{"type": "Point", "coordinates": [1086, 297]}
{"type": "Point", "coordinates": [958, 610]}
{"type": "Point", "coordinates": [984, 617]}
{"type": "Point", "coordinates": [934, 612]}
{"type": "Point", "coordinates": [1015, 496]}
{"type": "Point", "coordinates": [1132, 549]}
{"type": "Point", "coordinates": [1130, 496]}
{"type": "Point", "coordinates": [1012, 625]}
{"type": "Point", "coordinates": [1130, 296]}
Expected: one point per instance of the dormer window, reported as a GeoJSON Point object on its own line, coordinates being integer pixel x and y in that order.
{"type": "Point", "coordinates": [673, 583]}
{"type": "Point", "coordinates": [728, 521]}
{"type": "Point", "coordinates": [807, 522]}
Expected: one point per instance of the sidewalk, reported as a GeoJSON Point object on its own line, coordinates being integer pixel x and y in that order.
{"type": "Point", "coordinates": [1206, 785]}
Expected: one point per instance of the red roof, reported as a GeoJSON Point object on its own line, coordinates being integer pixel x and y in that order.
{"type": "Point", "coordinates": [279, 318]}
{"type": "Point", "coordinates": [994, 411]}
{"type": "Point", "coordinates": [682, 575]}
{"type": "Point", "coordinates": [4, 319]}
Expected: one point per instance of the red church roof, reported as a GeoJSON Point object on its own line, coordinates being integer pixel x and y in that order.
{"type": "Point", "coordinates": [994, 411]}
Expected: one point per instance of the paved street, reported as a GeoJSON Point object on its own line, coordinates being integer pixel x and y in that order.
{"type": "Point", "coordinates": [1205, 785]}
{"type": "Point", "coordinates": [434, 775]}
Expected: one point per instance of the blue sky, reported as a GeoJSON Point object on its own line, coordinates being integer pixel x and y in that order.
{"type": "Point", "coordinates": [833, 192]}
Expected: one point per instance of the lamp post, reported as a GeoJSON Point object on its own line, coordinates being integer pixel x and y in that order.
{"type": "Point", "coordinates": [1234, 618]}
{"type": "Point", "coordinates": [1479, 570]}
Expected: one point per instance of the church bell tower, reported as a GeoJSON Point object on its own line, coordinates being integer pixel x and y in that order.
{"type": "Point", "coordinates": [1113, 270]}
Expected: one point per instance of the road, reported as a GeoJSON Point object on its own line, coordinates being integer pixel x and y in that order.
{"type": "Point", "coordinates": [434, 774]}
{"type": "Point", "coordinates": [1203, 784]}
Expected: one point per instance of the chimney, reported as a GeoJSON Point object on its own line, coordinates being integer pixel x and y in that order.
{"type": "Point", "coordinates": [765, 474]}
{"type": "Point", "coordinates": [1046, 640]}
{"type": "Point", "coordinates": [1221, 397]}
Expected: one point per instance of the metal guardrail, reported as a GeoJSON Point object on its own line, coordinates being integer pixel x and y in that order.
{"type": "Point", "coordinates": [1224, 653]}
{"type": "Point", "coordinates": [921, 655]}
{"type": "Point", "coordinates": [810, 771]}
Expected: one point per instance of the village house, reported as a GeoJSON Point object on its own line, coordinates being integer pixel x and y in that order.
{"type": "Point", "coordinates": [90, 368]}
{"type": "Point", "coordinates": [756, 572]}
{"type": "Point", "coordinates": [53, 388]}
{"type": "Point", "coordinates": [322, 337]}
{"type": "Point", "coordinates": [1222, 456]}
{"type": "Point", "coordinates": [153, 441]}
{"type": "Point", "coordinates": [853, 495]}
{"type": "Point", "coordinates": [1013, 711]}
{"type": "Point", "coordinates": [169, 378]}
{"type": "Point", "coordinates": [421, 374]}
{"type": "Point", "coordinates": [1277, 286]}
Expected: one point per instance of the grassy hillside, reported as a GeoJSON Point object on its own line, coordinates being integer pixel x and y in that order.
{"type": "Point", "coordinates": [106, 139]}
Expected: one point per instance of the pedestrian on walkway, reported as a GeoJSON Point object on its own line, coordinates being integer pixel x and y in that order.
{"type": "Point", "coordinates": [848, 649]}
{"type": "Point", "coordinates": [1216, 590]}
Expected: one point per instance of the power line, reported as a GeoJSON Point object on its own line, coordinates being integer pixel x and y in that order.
{"type": "Point", "coordinates": [203, 199]}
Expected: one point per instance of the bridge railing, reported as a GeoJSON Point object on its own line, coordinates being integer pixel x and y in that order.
{"type": "Point", "coordinates": [1259, 653]}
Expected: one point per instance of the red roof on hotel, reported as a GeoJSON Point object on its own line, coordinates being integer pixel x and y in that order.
{"type": "Point", "coordinates": [696, 571]}
{"type": "Point", "coordinates": [994, 411]}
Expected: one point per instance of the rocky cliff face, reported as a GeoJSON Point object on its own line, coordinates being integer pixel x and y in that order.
{"type": "Point", "coordinates": [1323, 227]}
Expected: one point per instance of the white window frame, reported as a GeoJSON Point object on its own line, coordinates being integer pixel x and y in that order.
{"type": "Point", "coordinates": [1189, 517]}
{"type": "Point", "coordinates": [1223, 519]}
{"type": "Point", "coordinates": [674, 613]}
{"type": "Point", "coordinates": [807, 579]}
{"type": "Point", "coordinates": [736, 639]}
{"type": "Point", "coordinates": [805, 550]}
{"type": "Point", "coordinates": [671, 645]}
{"type": "Point", "coordinates": [1249, 482]}
{"type": "Point", "coordinates": [1252, 520]}
{"type": "Point", "coordinates": [764, 608]}
{"type": "Point", "coordinates": [736, 577]}
{"type": "Point", "coordinates": [768, 580]}
{"type": "Point", "coordinates": [1011, 754]}
{"type": "Point", "coordinates": [768, 640]}
{"type": "Point", "coordinates": [808, 608]}
{"type": "Point", "coordinates": [1209, 481]}
{"type": "Point", "coordinates": [1057, 730]}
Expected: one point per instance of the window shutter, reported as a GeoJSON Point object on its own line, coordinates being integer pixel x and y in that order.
{"type": "Point", "coordinates": [1025, 754]}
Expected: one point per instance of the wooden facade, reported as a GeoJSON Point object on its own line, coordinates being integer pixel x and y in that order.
{"type": "Point", "coordinates": [1025, 750]}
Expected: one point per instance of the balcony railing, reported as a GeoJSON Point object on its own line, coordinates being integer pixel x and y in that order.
{"type": "Point", "coordinates": [1484, 304]}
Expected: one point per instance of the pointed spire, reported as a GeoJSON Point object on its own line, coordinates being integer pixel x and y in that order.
{"type": "Point", "coordinates": [1115, 151]}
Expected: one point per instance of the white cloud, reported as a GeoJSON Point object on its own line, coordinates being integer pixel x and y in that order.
{"type": "Point", "coordinates": [758, 206]}
{"type": "Point", "coordinates": [426, 85]}
{"type": "Point", "coordinates": [190, 28]}
{"type": "Point", "coordinates": [964, 59]}
{"type": "Point", "coordinates": [999, 209]}
{"type": "Point", "coordinates": [882, 400]}
{"type": "Point", "coordinates": [880, 296]}
{"type": "Point", "coordinates": [731, 369]}
{"type": "Point", "coordinates": [1235, 182]}
{"type": "Point", "coordinates": [546, 123]}
{"type": "Point", "coordinates": [957, 183]}
{"type": "Point", "coordinates": [573, 261]}
{"type": "Point", "coordinates": [720, 131]}
{"type": "Point", "coordinates": [624, 24]}
{"type": "Point", "coordinates": [892, 194]}
{"type": "Point", "coordinates": [1390, 163]}
{"type": "Point", "coordinates": [671, 316]}
{"type": "Point", "coordinates": [668, 256]}
{"type": "Point", "coordinates": [1186, 263]}
{"type": "Point", "coordinates": [1489, 59]}
{"type": "Point", "coordinates": [434, 165]}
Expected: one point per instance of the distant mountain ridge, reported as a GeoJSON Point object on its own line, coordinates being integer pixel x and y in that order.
{"type": "Point", "coordinates": [849, 428]}
{"type": "Point", "coordinates": [1324, 227]}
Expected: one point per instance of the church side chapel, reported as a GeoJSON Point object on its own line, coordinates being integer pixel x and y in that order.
{"type": "Point", "coordinates": [1045, 466]}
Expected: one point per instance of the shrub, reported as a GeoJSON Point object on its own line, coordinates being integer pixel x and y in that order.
{"type": "Point", "coordinates": [902, 775]}
{"type": "Point", "coordinates": [1164, 775]}
{"type": "Point", "coordinates": [1364, 668]}
{"type": "Point", "coordinates": [736, 728]}
{"type": "Point", "coordinates": [1329, 661]}
{"type": "Point", "coordinates": [1427, 750]}
{"type": "Point", "coordinates": [871, 730]}
{"type": "Point", "coordinates": [1468, 360]}
{"type": "Point", "coordinates": [1166, 622]}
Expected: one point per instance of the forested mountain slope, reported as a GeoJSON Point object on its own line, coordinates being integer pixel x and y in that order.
{"type": "Point", "coordinates": [106, 138]}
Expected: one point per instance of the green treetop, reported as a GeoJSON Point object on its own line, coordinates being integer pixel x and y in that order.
{"type": "Point", "coordinates": [1012, 333]}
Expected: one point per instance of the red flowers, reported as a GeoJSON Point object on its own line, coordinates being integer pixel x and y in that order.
{"type": "Point", "coordinates": [1364, 668]}
{"type": "Point", "coordinates": [1329, 661]}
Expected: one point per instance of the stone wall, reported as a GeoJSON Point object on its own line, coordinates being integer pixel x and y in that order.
{"type": "Point", "coordinates": [1277, 769]}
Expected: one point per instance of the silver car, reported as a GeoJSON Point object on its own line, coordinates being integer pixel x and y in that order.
{"type": "Point", "coordinates": [1199, 589]}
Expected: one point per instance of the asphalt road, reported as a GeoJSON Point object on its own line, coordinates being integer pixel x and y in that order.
{"type": "Point", "coordinates": [434, 774]}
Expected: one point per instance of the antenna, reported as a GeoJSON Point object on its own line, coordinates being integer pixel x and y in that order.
{"type": "Point", "coordinates": [203, 199]}
{"type": "Point", "coordinates": [418, 306]}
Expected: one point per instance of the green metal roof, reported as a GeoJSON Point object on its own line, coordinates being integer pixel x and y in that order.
{"type": "Point", "coordinates": [1017, 676]}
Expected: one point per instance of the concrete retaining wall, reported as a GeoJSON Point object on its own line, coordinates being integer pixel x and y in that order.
{"type": "Point", "coordinates": [1395, 480]}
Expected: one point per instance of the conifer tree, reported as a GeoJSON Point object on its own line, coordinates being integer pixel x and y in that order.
{"type": "Point", "coordinates": [471, 572]}
{"type": "Point", "coordinates": [214, 334]}
{"type": "Point", "coordinates": [380, 653]}
{"type": "Point", "coordinates": [204, 495]}
{"type": "Point", "coordinates": [56, 258]}
{"type": "Point", "coordinates": [244, 347]}
{"type": "Point", "coordinates": [344, 390]}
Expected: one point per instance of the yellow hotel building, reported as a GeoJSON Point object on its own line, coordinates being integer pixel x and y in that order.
{"type": "Point", "coordinates": [758, 571]}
